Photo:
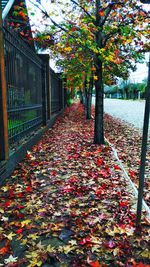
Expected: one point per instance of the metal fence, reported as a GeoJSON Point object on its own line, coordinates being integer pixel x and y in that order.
{"type": "Point", "coordinates": [56, 92]}
{"type": "Point", "coordinates": [34, 91]}
{"type": "Point", "coordinates": [24, 86]}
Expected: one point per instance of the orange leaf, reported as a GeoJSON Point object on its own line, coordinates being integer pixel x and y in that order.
{"type": "Point", "coordinates": [101, 13]}
{"type": "Point", "coordinates": [95, 264]}
{"type": "Point", "coordinates": [4, 250]}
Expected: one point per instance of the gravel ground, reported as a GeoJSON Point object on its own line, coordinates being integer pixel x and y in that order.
{"type": "Point", "coordinates": [127, 110]}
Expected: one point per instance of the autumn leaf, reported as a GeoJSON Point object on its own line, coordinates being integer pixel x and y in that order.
{"type": "Point", "coordinates": [25, 222]}
{"type": "Point", "coordinates": [10, 235]}
{"type": "Point", "coordinates": [116, 167]}
{"type": "Point", "coordinates": [146, 253]}
{"type": "Point", "coordinates": [2, 210]}
{"type": "Point", "coordinates": [19, 231]}
{"type": "Point", "coordinates": [50, 249]}
{"type": "Point", "coordinates": [94, 263]}
{"type": "Point", "coordinates": [11, 259]}
{"type": "Point", "coordinates": [8, 203]}
{"type": "Point", "coordinates": [85, 241]}
{"type": "Point", "coordinates": [95, 78]}
{"type": "Point", "coordinates": [4, 250]}
{"type": "Point", "coordinates": [101, 13]}
{"type": "Point", "coordinates": [124, 203]}
{"type": "Point", "coordinates": [100, 162]}
{"type": "Point", "coordinates": [68, 248]}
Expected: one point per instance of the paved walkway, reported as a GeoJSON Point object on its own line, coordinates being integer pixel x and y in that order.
{"type": "Point", "coordinates": [68, 204]}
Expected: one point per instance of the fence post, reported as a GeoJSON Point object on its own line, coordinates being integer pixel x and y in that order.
{"type": "Point", "coordinates": [46, 95]}
{"type": "Point", "coordinates": [3, 98]}
{"type": "Point", "coordinates": [63, 95]}
{"type": "Point", "coordinates": [61, 92]}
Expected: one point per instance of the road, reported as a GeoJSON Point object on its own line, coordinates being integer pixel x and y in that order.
{"type": "Point", "coordinates": [127, 110]}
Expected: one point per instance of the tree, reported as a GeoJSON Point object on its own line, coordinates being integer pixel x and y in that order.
{"type": "Point", "coordinates": [110, 32]}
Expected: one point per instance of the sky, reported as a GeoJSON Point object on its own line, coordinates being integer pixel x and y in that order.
{"type": "Point", "coordinates": [137, 76]}
{"type": "Point", "coordinates": [141, 72]}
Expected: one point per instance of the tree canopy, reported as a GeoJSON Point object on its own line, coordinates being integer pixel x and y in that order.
{"type": "Point", "coordinates": [103, 39]}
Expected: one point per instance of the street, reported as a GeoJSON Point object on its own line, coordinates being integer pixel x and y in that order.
{"type": "Point", "coordinates": [127, 110]}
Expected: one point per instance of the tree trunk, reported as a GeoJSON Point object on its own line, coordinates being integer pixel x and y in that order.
{"type": "Point", "coordinates": [99, 105]}
{"type": "Point", "coordinates": [88, 106]}
{"type": "Point", "coordinates": [85, 94]}
{"type": "Point", "coordinates": [81, 97]}
{"type": "Point", "coordinates": [89, 99]}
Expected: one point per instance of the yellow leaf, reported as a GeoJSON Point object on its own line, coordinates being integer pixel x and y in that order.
{"type": "Point", "coordinates": [5, 188]}
{"type": "Point", "coordinates": [33, 254]}
{"type": "Point", "coordinates": [33, 236]}
{"type": "Point", "coordinates": [116, 251]}
{"type": "Point", "coordinates": [95, 78]}
{"type": "Point", "coordinates": [1, 211]}
{"type": "Point", "coordinates": [73, 242]}
{"type": "Point", "coordinates": [39, 263]}
{"type": "Point", "coordinates": [26, 222]}
{"type": "Point", "coordinates": [34, 263]}
{"type": "Point", "coordinates": [146, 253]}
{"type": "Point", "coordinates": [50, 249]}
{"type": "Point", "coordinates": [24, 242]}
{"type": "Point", "coordinates": [67, 49]}
{"type": "Point", "coordinates": [68, 248]}
{"type": "Point", "coordinates": [10, 236]}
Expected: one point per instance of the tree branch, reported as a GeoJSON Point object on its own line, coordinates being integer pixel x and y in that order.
{"type": "Point", "coordinates": [47, 16]}
{"type": "Point", "coordinates": [87, 13]}
{"type": "Point", "coordinates": [108, 10]}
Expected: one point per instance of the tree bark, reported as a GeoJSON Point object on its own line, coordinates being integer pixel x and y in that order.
{"type": "Point", "coordinates": [81, 97]}
{"type": "Point", "coordinates": [89, 99]}
{"type": "Point", "coordinates": [88, 106]}
{"type": "Point", "coordinates": [99, 109]}
{"type": "Point", "coordinates": [99, 105]}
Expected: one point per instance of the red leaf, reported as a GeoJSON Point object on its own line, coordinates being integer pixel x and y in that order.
{"type": "Point", "coordinates": [20, 195]}
{"type": "Point", "coordinates": [73, 29]}
{"type": "Point", "coordinates": [116, 167]}
{"type": "Point", "coordinates": [11, 193]}
{"type": "Point", "coordinates": [29, 189]}
{"type": "Point", "coordinates": [104, 173]}
{"type": "Point", "coordinates": [53, 173]}
{"type": "Point", "coordinates": [8, 203]}
{"type": "Point", "coordinates": [73, 179]}
{"type": "Point", "coordinates": [131, 173]}
{"type": "Point", "coordinates": [124, 203]}
{"type": "Point", "coordinates": [98, 192]}
{"type": "Point", "coordinates": [95, 264]}
{"type": "Point", "coordinates": [20, 207]}
{"type": "Point", "coordinates": [85, 241]}
{"type": "Point", "coordinates": [19, 231]}
{"type": "Point", "coordinates": [100, 162]}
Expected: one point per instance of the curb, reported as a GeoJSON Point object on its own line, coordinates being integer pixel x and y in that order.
{"type": "Point", "coordinates": [129, 180]}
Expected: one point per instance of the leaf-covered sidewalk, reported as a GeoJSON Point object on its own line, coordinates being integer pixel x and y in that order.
{"type": "Point", "coordinates": [68, 205]}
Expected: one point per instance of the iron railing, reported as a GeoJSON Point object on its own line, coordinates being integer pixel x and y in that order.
{"type": "Point", "coordinates": [24, 86]}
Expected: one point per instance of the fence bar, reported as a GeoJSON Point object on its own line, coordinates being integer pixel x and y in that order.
{"type": "Point", "coordinates": [3, 99]}
{"type": "Point", "coordinates": [46, 84]}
